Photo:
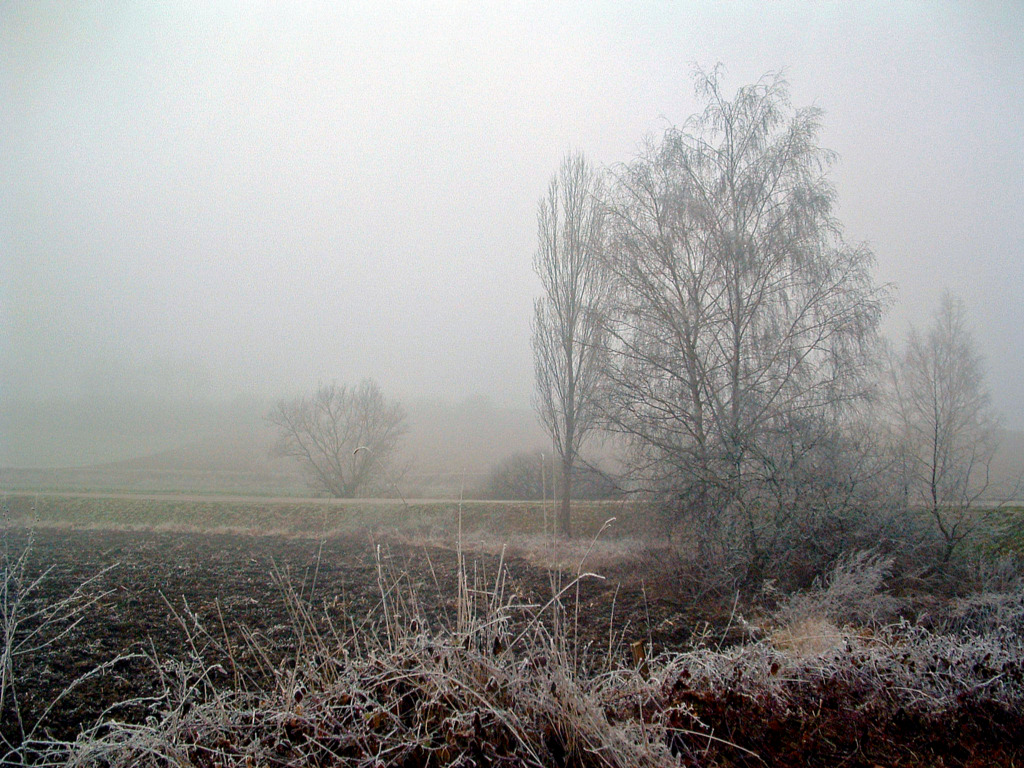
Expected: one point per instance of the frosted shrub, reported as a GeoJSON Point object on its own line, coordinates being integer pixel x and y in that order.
{"type": "Point", "coordinates": [849, 593]}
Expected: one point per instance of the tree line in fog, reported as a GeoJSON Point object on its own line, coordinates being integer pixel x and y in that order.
{"type": "Point", "coordinates": [703, 310]}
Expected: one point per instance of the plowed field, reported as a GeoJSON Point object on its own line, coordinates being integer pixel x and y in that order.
{"type": "Point", "coordinates": [233, 585]}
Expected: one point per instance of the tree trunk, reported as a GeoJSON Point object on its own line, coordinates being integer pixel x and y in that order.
{"type": "Point", "coordinates": [564, 522]}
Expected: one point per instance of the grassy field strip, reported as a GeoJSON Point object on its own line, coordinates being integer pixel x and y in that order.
{"type": "Point", "coordinates": [296, 517]}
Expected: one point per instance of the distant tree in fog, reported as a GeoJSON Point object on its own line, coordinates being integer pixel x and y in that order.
{"type": "Point", "coordinates": [345, 437]}
{"type": "Point", "coordinates": [567, 318]}
{"type": "Point", "coordinates": [948, 435]}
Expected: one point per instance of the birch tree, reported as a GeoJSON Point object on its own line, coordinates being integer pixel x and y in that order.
{"type": "Point", "coordinates": [743, 324]}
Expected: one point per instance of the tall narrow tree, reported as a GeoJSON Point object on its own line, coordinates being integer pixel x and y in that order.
{"type": "Point", "coordinates": [567, 318]}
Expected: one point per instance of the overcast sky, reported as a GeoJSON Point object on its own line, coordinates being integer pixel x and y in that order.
{"type": "Point", "coordinates": [224, 199]}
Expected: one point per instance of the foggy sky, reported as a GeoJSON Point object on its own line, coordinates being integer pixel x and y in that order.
{"type": "Point", "coordinates": [217, 200]}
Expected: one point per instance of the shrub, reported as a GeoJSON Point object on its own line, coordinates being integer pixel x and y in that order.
{"type": "Point", "coordinates": [531, 476]}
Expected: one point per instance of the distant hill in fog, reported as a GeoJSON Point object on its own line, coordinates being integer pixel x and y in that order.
{"type": "Point", "coordinates": [226, 448]}
{"type": "Point", "coordinates": [468, 436]}
{"type": "Point", "coordinates": [89, 432]}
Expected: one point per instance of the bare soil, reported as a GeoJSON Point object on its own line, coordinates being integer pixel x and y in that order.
{"type": "Point", "coordinates": [228, 582]}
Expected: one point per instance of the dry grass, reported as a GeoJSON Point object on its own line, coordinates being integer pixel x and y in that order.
{"type": "Point", "coordinates": [503, 686]}
{"type": "Point", "coordinates": [481, 525]}
{"type": "Point", "coordinates": [850, 593]}
{"type": "Point", "coordinates": [554, 554]}
{"type": "Point", "coordinates": [808, 637]}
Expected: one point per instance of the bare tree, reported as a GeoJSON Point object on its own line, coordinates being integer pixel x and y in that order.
{"type": "Point", "coordinates": [344, 437]}
{"type": "Point", "coordinates": [743, 324]}
{"type": "Point", "coordinates": [567, 319]}
{"type": "Point", "coordinates": [947, 430]}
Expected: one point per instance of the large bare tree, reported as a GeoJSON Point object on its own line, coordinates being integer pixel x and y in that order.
{"type": "Point", "coordinates": [743, 323]}
{"type": "Point", "coordinates": [345, 437]}
{"type": "Point", "coordinates": [948, 433]}
{"type": "Point", "coordinates": [567, 318]}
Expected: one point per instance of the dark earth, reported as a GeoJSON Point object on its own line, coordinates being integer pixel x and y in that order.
{"type": "Point", "coordinates": [233, 584]}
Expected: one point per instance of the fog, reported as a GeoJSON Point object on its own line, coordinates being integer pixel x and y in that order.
{"type": "Point", "coordinates": [227, 203]}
